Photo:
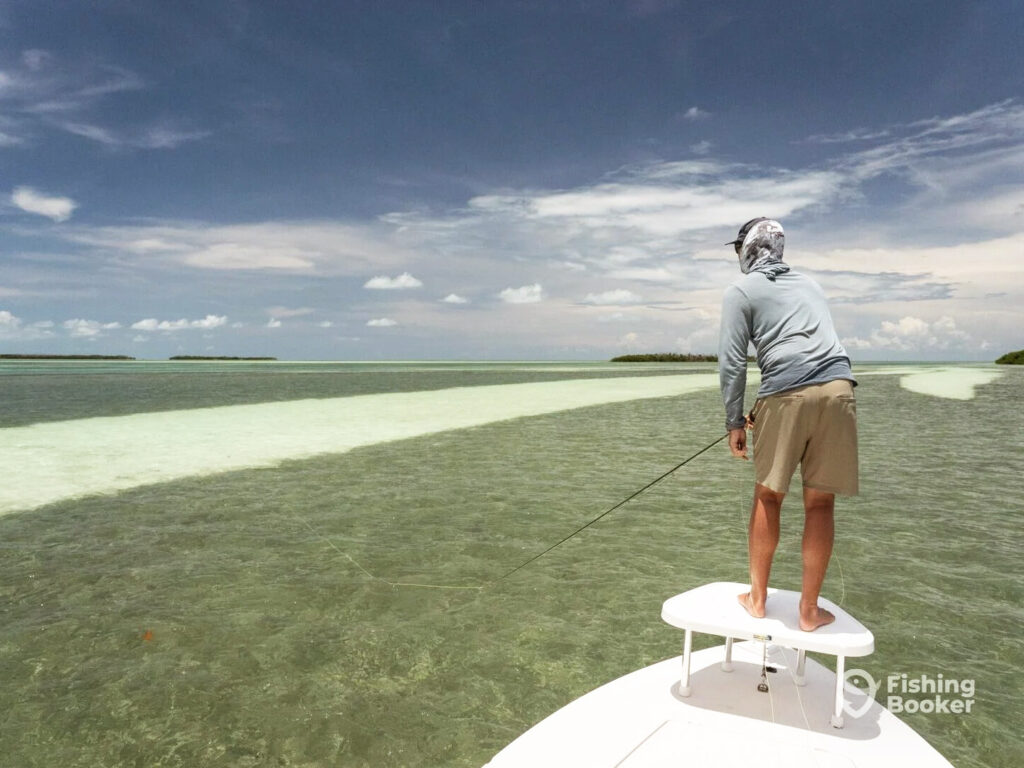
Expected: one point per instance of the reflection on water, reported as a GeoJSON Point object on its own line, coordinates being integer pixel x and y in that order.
{"type": "Point", "coordinates": [216, 620]}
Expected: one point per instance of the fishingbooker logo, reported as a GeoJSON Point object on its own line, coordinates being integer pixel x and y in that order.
{"type": "Point", "coordinates": [904, 693]}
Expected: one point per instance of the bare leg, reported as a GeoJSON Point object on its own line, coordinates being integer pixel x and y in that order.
{"type": "Point", "coordinates": [819, 529]}
{"type": "Point", "coordinates": [762, 539]}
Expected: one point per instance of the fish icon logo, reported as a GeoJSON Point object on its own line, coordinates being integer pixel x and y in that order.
{"type": "Point", "coordinates": [872, 688]}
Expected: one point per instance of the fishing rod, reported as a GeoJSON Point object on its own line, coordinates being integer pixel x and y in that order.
{"type": "Point", "coordinates": [481, 587]}
{"type": "Point", "coordinates": [612, 509]}
{"type": "Point", "coordinates": [487, 585]}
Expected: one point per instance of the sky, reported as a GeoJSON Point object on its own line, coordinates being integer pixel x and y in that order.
{"type": "Point", "coordinates": [502, 180]}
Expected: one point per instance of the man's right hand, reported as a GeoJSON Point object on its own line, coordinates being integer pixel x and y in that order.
{"type": "Point", "coordinates": [738, 443]}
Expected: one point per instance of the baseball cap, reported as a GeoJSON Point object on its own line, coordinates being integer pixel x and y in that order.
{"type": "Point", "coordinates": [743, 232]}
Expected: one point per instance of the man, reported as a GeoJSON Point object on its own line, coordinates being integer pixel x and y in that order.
{"type": "Point", "coordinates": [805, 411]}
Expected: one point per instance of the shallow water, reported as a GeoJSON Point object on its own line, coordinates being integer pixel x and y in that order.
{"type": "Point", "coordinates": [55, 460]}
{"type": "Point", "coordinates": [245, 618]}
{"type": "Point", "coordinates": [37, 391]}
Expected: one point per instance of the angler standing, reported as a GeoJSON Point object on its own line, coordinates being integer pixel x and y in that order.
{"type": "Point", "coordinates": [805, 412]}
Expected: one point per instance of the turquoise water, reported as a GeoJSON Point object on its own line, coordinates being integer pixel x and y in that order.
{"type": "Point", "coordinates": [248, 617]}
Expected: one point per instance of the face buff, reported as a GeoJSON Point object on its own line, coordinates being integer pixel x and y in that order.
{"type": "Point", "coordinates": [762, 249]}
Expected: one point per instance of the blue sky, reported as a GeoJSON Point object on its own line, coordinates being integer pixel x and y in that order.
{"type": "Point", "coordinates": [502, 180]}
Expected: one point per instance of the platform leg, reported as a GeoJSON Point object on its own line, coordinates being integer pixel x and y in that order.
{"type": "Point", "coordinates": [837, 712]}
{"type": "Point", "coordinates": [727, 664]}
{"type": "Point", "coordinates": [801, 659]}
{"type": "Point", "coordinates": [684, 683]}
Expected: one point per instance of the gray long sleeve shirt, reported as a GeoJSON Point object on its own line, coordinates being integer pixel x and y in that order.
{"type": "Point", "coordinates": [789, 322]}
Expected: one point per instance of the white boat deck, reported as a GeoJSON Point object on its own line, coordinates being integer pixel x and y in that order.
{"type": "Point", "coordinates": [640, 721]}
{"type": "Point", "coordinates": [705, 709]}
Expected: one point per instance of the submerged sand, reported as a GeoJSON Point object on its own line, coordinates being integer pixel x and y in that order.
{"type": "Point", "coordinates": [53, 461]}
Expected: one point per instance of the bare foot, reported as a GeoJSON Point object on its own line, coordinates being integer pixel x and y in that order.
{"type": "Point", "coordinates": [813, 617]}
{"type": "Point", "coordinates": [754, 607]}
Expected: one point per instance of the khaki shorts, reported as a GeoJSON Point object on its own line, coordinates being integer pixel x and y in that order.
{"type": "Point", "coordinates": [813, 426]}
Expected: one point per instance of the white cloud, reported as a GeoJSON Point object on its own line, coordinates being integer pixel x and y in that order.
{"type": "Point", "coordinates": [151, 245]}
{"type": "Point", "coordinates": [701, 147]}
{"type": "Point", "coordinates": [8, 322]}
{"type": "Point", "coordinates": [92, 132]}
{"type": "Point", "coordinates": [273, 323]}
{"type": "Point", "coordinates": [298, 247]}
{"type": "Point", "coordinates": [617, 296]}
{"type": "Point", "coordinates": [912, 334]}
{"type": "Point", "coordinates": [695, 113]}
{"type": "Point", "coordinates": [170, 326]}
{"type": "Point", "coordinates": [166, 137]}
{"type": "Point", "coordinates": [152, 324]}
{"type": "Point", "coordinates": [969, 269]}
{"type": "Point", "coordinates": [35, 59]}
{"type": "Point", "coordinates": [111, 80]}
{"type": "Point", "coordinates": [382, 322]}
{"type": "Point", "coordinates": [244, 256]}
{"type": "Point", "coordinates": [49, 92]}
{"type": "Point", "coordinates": [629, 340]}
{"type": "Point", "coordinates": [154, 137]}
{"type": "Point", "coordinates": [454, 298]}
{"type": "Point", "coordinates": [571, 266]}
{"type": "Point", "coordinates": [9, 139]}
{"type": "Point", "coordinates": [646, 212]}
{"type": "Point", "coordinates": [857, 134]}
{"type": "Point", "coordinates": [31, 201]}
{"type": "Point", "coordinates": [919, 143]}
{"type": "Point", "coordinates": [280, 312]}
{"type": "Point", "coordinates": [644, 274]}
{"type": "Point", "coordinates": [326, 324]}
{"type": "Point", "coordinates": [84, 329]}
{"type": "Point", "coordinates": [526, 294]}
{"type": "Point", "coordinates": [210, 321]}
{"type": "Point", "coordinates": [384, 283]}
{"type": "Point", "coordinates": [13, 327]}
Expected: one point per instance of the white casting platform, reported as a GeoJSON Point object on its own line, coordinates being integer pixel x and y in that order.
{"type": "Point", "coordinates": [641, 720]}
{"type": "Point", "coordinates": [713, 609]}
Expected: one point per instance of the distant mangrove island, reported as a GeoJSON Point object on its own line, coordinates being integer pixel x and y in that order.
{"type": "Point", "coordinates": [210, 357]}
{"type": "Point", "coordinates": [665, 357]}
{"type": "Point", "coordinates": [123, 357]}
{"type": "Point", "coordinates": [1012, 358]}
{"type": "Point", "coordinates": [66, 357]}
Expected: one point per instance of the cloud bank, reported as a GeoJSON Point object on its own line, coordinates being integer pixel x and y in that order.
{"type": "Point", "coordinates": [950, 245]}
{"type": "Point", "coordinates": [170, 326]}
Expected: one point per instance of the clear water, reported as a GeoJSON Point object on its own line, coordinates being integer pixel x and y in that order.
{"type": "Point", "coordinates": [249, 617]}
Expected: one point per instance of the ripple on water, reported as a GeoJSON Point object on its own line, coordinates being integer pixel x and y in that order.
{"type": "Point", "coordinates": [267, 646]}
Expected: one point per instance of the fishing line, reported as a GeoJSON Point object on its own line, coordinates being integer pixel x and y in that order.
{"type": "Point", "coordinates": [374, 576]}
{"type": "Point", "coordinates": [480, 587]}
{"type": "Point", "coordinates": [842, 578]}
{"type": "Point", "coordinates": [797, 686]}
{"type": "Point", "coordinates": [611, 509]}
{"type": "Point", "coordinates": [835, 556]}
